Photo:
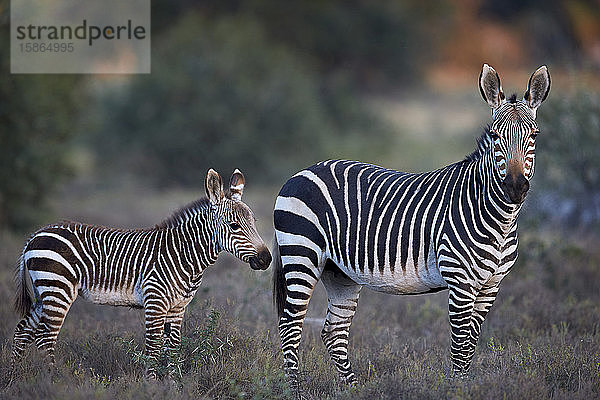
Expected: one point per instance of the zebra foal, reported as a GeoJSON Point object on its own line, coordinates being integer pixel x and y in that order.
{"type": "Point", "coordinates": [157, 269]}
{"type": "Point", "coordinates": [351, 224]}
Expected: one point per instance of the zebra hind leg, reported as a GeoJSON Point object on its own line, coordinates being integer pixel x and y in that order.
{"type": "Point", "coordinates": [23, 337]}
{"type": "Point", "coordinates": [53, 313]}
{"type": "Point", "coordinates": [342, 293]}
{"type": "Point", "coordinates": [301, 276]}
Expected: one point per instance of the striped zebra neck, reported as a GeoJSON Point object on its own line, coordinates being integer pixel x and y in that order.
{"type": "Point", "coordinates": [489, 185]}
{"type": "Point", "coordinates": [194, 227]}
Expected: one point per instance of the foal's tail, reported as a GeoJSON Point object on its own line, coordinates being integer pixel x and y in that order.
{"type": "Point", "coordinates": [279, 286]}
{"type": "Point", "coordinates": [23, 301]}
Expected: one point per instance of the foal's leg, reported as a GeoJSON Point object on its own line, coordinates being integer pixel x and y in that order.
{"type": "Point", "coordinates": [24, 334]}
{"type": "Point", "coordinates": [172, 336]}
{"type": "Point", "coordinates": [55, 306]}
{"type": "Point", "coordinates": [154, 316]}
{"type": "Point", "coordinates": [342, 293]}
{"type": "Point", "coordinates": [23, 337]}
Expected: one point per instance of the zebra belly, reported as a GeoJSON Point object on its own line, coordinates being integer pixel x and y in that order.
{"type": "Point", "coordinates": [425, 277]}
{"type": "Point", "coordinates": [131, 298]}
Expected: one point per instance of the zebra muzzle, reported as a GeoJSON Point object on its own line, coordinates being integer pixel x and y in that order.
{"type": "Point", "coordinates": [261, 261]}
{"type": "Point", "coordinates": [515, 188]}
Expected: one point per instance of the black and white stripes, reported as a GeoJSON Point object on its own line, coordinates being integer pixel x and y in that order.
{"type": "Point", "coordinates": [351, 224]}
{"type": "Point", "coordinates": [157, 269]}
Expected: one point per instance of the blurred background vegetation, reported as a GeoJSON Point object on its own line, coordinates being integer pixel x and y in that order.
{"type": "Point", "coordinates": [271, 87]}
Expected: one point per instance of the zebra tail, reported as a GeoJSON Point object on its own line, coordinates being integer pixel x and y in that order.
{"type": "Point", "coordinates": [279, 286]}
{"type": "Point", "coordinates": [23, 301]}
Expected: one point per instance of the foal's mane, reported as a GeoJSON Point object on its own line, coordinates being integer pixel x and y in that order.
{"type": "Point", "coordinates": [185, 212]}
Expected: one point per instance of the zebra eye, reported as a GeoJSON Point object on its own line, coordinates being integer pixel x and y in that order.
{"type": "Point", "coordinates": [494, 134]}
{"type": "Point", "coordinates": [534, 133]}
{"type": "Point", "coordinates": [234, 225]}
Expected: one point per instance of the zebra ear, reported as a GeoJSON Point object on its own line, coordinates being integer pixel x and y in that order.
{"type": "Point", "coordinates": [538, 87]}
{"type": "Point", "coordinates": [490, 86]}
{"type": "Point", "coordinates": [236, 185]}
{"type": "Point", "coordinates": [214, 187]}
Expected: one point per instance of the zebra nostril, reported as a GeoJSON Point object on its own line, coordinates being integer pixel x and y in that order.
{"type": "Point", "coordinates": [523, 184]}
{"type": "Point", "coordinates": [265, 257]}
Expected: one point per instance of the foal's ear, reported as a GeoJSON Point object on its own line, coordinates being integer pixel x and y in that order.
{"type": "Point", "coordinates": [236, 185]}
{"type": "Point", "coordinates": [214, 187]}
{"type": "Point", "coordinates": [538, 87]}
{"type": "Point", "coordinates": [490, 87]}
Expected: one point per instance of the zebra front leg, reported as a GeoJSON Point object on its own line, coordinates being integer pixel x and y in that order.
{"type": "Point", "coordinates": [461, 301]}
{"type": "Point", "coordinates": [172, 335]}
{"type": "Point", "coordinates": [342, 294]}
{"type": "Point", "coordinates": [154, 316]}
{"type": "Point", "coordinates": [483, 302]}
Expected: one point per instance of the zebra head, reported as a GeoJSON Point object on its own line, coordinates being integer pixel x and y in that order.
{"type": "Point", "coordinates": [235, 230]}
{"type": "Point", "coordinates": [513, 129]}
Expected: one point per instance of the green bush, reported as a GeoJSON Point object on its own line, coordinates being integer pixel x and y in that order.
{"type": "Point", "coordinates": [222, 95]}
{"type": "Point", "coordinates": [375, 43]}
{"type": "Point", "coordinates": [567, 167]}
{"type": "Point", "coordinates": [36, 115]}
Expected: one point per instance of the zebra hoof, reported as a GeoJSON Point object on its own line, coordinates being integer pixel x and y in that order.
{"type": "Point", "coordinates": [295, 387]}
{"type": "Point", "coordinates": [460, 374]}
{"type": "Point", "coordinates": [9, 383]}
{"type": "Point", "coordinates": [300, 394]}
{"type": "Point", "coordinates": [347, 382]}
{"type": "Point", "coordinates": [351, 382]}
{"type": "Point", "coordinates": [151, 375]}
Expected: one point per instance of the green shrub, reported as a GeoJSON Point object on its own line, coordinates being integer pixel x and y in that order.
{"type": "Point", "coordinates": [567, 167]}
{"type": "Point", "coordinates": [36, 115]}
{"type": "Point", "coordinates": [222, 95]}
{"type": "Point", "coordinates": [376, 43]}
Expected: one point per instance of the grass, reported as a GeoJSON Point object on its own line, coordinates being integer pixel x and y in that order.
{"type": "Point", "coordinates": [541, 339]}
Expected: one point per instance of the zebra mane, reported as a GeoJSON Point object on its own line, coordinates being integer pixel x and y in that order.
{"type": "Point", "coordinates": [184, 213]}
{"type": "Point", "coordinates": [483, 144]}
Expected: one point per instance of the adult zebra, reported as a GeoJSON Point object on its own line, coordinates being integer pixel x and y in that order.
{"type": "Point", "coordinates": [157, 269]}
{"type": "Point", "coordinates": [352, 224]}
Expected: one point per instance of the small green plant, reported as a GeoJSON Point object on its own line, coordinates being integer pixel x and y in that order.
{"type": "Point", "coordinates": [497, 351]}
{"type": "Point", "coordinates": [132, 349]}
{"type": "Point", "coordinates": [494, 346]}
{"type": "Point", "coordinates": [371, 372]}
{"type": "Point", "coordinates": [204, 346]}
{"type": "Point", "coordinates": [527, 360]}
